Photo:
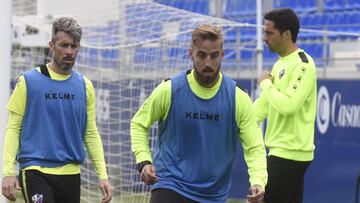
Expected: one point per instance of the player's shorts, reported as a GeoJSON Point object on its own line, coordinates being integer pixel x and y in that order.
{"type": "Point", "coordinates": [285, 180]}
{"type": "Point", "coordinates": [162, 195]}
{"type": "Point", "coordinates": [38, 187]}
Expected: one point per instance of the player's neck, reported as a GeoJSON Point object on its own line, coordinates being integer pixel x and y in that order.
{"type": "Point", "coordinates": [55, 68]}
{"type": "Point", "coordinates": [291, 48]}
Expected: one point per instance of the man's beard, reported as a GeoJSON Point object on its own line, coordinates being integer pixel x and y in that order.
{"type": "Point", "coordinates": [207, 79]}
{"type": "Point", "coordinates": [65, 66]}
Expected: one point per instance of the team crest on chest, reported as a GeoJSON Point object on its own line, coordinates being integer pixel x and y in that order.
{"type": "Point", "coordinates": [281, 73]}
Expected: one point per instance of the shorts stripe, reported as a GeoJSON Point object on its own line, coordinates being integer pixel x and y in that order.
{"type": "Point", "coordinates": [24, 187]}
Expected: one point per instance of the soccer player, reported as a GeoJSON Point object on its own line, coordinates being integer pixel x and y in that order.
{"type": "Point", "coordinates": [202, 114]}
{"type": "Point", "coordinates": [51, 117]}
{"type": "Point", "coordinates": [288, 101]}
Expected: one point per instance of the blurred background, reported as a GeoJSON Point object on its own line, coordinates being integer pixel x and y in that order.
{"type": "Point", "coordinates": [129, 46]}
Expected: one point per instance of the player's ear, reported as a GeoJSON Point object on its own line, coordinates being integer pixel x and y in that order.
{"type": "Point", "coordinates": [191, 53]}
{"type": "Point", "coordinates": [288, 34]}
{"type": "Point", "coordinates": [51, 44]}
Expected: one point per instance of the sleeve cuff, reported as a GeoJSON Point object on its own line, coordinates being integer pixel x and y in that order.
{"type": "Point", "coordinates": [258, 181]}
{"type": "Point", "coordinates": [8, 174]}
{"type": "Point", "coordinates": [103, 177]}
{"type": "Point", "coordinates": [265, 84]}
{"type": "Point", "coordinates": [143, 156]}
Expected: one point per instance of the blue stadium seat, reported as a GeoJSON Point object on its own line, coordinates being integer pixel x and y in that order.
{"type": "Point", "coordinates": [269, 58]}
{"type": "Point", "coordinates": [81, 58]}
{"type": "Point", "coordinates": [92, 57]}
{"type": "Point", "coordinates": [176, 52]}
{"type": "Point", "coordinates": [230, 9]}
{"type": "Point", "coordinates": [305, 21]}
{"type": "Point", "coordinates": [302, 35]}
{"type": "Point", "coordinates": [269, 55]}
{"type": "Point", "coordinates": [109, 58]}
{"type": "Point", "coordinates": [246, 54]}
{"type": "Point", "coordinates": [317, 23]}
{"type": "Point", "coordinates": [333, 25]}
{"type": "Point", "coordinates": [202, 7]}
{"type": "Point", "coordinates": [308, 5]}
{"type": "Point", "coordinates": [199, 6]}
{"type": "Point", "coordinates": [166, 2]}
{"type": "Point", "coordinates": [249, 6]}
{"type": "Point", "coordinates": [344, 21]}
{"type": "Point", "coordinates": [247, 35]}
{"type": "Point", "coordinates": [229, 54]}
{"type": "Point", "coordinates": [281, 3]}
{"type": "Point", "coordinates": [354, 21]}
{"type": "Point", "coordinates": [333, 5]}
{"type": "Point", "coordinates": [230, 36]}
{"type": "Point", "coordinates": [239, 8]}
{"type": "Point", "coordinates": [308, 22]}
{"type": "Point", "coordinates": [350, 23]}
{"type": "Point", "coordinates": [298, 5]}
{"type": "Point", "coordinates": [354, 4]}
{"type": "Point", "coordinates": [334, 21]}
{"type": "Point", "coordinates": [323, 20]}
{"type": "Point", "coordinates": [316, 51]}
{"type": "Point", "coordinates": [147, 55]}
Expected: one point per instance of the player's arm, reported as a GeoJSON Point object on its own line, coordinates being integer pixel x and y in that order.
{"type": "Point", "coordinates": [11, 145]}
{"type": "Point", "coordinates": [16, 107]}
{"type": "Point", "coordinates": [94, 145]}
{"type": "Point", "coordinates": [92, 138]}
{"type": "Point", "coordinates": [154, 108]}
{"type": "Point", "coordinates": [261, 108]}
{"type": "Point", "coordinates": [292, 99]}
{"type": "Point", "coordinates": [251, 139]}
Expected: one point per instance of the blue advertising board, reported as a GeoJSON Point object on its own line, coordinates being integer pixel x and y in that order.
{"type": "Point", "coordinates": [332, 175]}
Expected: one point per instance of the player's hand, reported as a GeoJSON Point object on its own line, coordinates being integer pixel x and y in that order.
{"type": "Point", "coordinates": [148, 174]}
{"type": "Point", "coordinates": [256, 194]}
{"type": "Point", "coordinates": [9, 186]}
{"type": "Point", "coordinates": [265, 75]}
{"type": "Point", "coordinates": [105, 188]}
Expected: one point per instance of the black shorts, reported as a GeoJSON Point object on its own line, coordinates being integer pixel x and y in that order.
{"type": "Point", "coordinates": [163, 195]}
{"type": "Point", "coordinates": [38, 187]}
{"type": "Point", "coordinates": [286, 180]}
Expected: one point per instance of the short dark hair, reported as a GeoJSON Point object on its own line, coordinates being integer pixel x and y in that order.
{"type": "Point", "coordinates": [284, 19]}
